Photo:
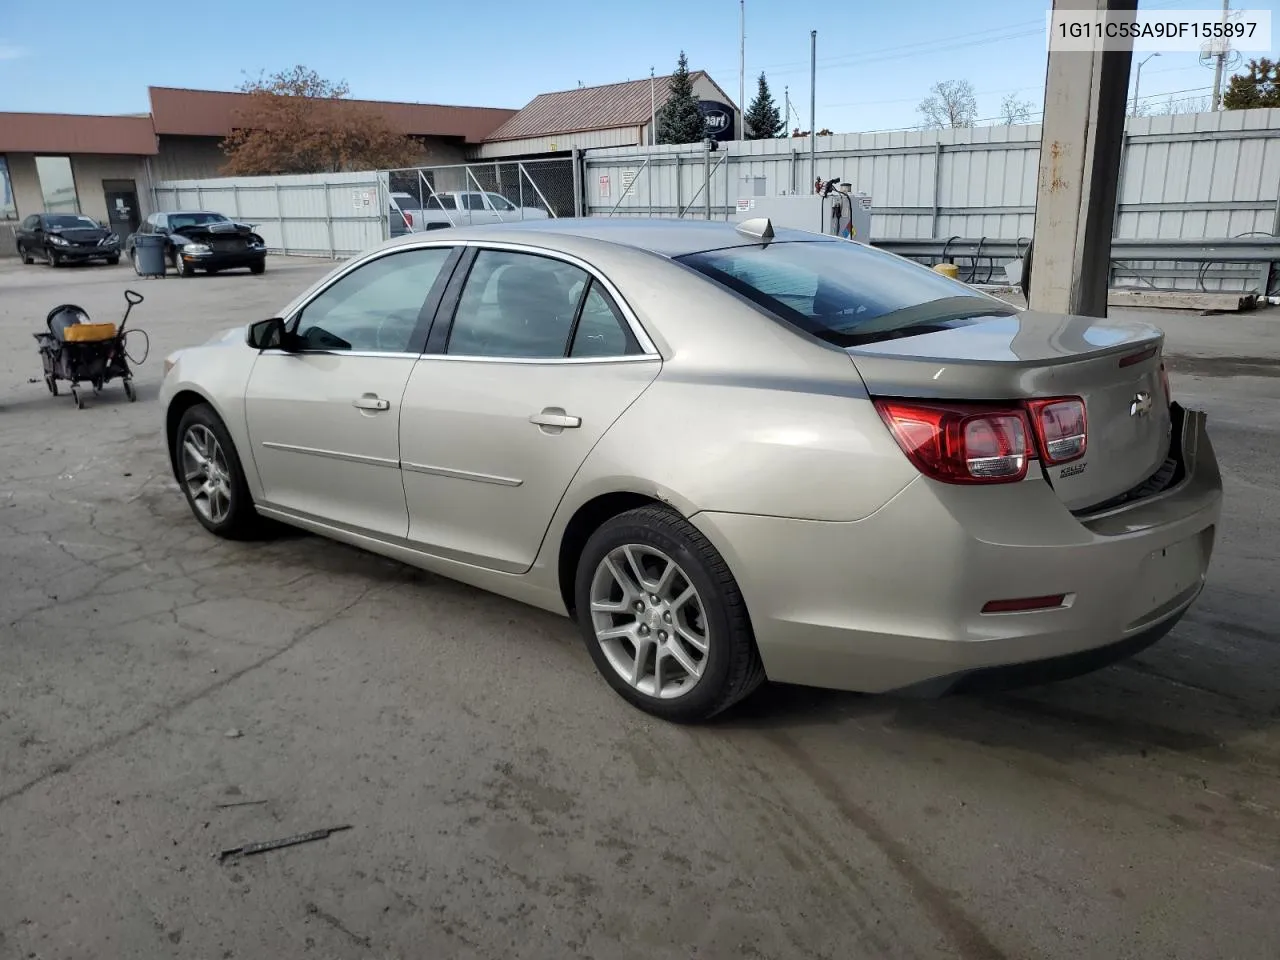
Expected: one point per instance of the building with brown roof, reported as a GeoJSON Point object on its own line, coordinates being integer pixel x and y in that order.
{"type": "Point", "coordinates": [106, 167]}
{"type": "Point", "coordinates": [612, 115]}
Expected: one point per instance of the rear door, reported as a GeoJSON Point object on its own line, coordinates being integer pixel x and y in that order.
{"type": "Point", "coordinates": [540, 358]}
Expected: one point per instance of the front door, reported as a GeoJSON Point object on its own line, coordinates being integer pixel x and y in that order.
{"type": "Point", "coordinates": [123, 214]}
{"type": "Point", "coordinates": [324, 416]}
{"type": "Point", "coordinates": [538, 364]}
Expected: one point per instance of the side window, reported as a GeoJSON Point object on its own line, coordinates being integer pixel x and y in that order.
{"type": "Point", "coordinates": [376, 307]}
{"type": "Point", "coordinates": [501, 203]}
{"type": "Point", "coordinates": [473, 201]}
{"type": "Point", "coordinates": [601, 330]}
{"type": "Point", "coordinates": [31, 222]}
{"type": "Point", "coordinates": [516, 305]}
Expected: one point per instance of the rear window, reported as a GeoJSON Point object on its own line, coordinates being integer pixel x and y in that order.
{"type": "Point", "coordinates": [844, 293]}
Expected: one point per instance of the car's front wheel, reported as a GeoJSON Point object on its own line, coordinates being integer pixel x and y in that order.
{"type": "Point", "coordinates": [211, 476]}
{"type": "Point", "coordinates": [25, 254]}
{"type": "Point", "coordinates": [663, 617]}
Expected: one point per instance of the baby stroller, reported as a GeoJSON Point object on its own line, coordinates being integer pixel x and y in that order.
{"type": "Point", "coordinates": [80, 351]}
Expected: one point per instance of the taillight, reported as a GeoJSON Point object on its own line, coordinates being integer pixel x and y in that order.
{"type": "Point", "coordinates": [960, 443]}
{"type": "Point", "coordinates": [408, 219]}
{"type": "Point", "coordinates": [1060, 427]}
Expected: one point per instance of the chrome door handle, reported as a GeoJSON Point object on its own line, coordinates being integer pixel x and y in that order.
{"type": "Point", "coordinates": [371, 402]}
{"type": "Point", "coordinates": [549, 419]}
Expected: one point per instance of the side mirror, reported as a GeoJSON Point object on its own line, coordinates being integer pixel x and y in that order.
{"type": "Point", "coordinates": [267, 335]}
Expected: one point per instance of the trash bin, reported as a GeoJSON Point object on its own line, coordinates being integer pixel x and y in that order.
{"type": "Point", "coordinates": [148, 255]}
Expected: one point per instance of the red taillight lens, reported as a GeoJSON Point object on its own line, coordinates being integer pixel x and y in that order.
{"type": "Point", "coordinates": [960, 443]}
{"type": "Point", "coordinates": [1060, 427]}
{"type": "Point", "coordinates": [408, 219]}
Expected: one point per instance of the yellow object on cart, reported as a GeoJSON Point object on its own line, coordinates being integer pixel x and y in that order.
{"type": "Point", "coordinates": [89, 332]}
{"type": "Point", "coordinates": [947, 270]}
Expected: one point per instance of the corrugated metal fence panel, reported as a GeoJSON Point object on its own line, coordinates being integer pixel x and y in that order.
{"type": "Point", "coordinates": [1190, 176]}
{"type": "Point", "coordinates": [329, 215]}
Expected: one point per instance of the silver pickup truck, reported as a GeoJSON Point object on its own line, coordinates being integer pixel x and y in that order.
{"type": "Point", "coordinates": [408, 214]}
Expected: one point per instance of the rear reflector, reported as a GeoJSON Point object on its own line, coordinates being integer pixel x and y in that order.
{"type": "Point", "coordinates": [1133, 358]}
{"type": "Point", "coordinates": [1060, 427]}
{"type": "Point", "coordinates": [958, 443]}
{"type": "Point", "coordinates": [1024, 604]}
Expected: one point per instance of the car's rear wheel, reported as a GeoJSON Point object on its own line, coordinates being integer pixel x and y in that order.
{"type": "Point", "coordinates": [211, 476]}
{"type": "Point", "coordinates": [663, 618]}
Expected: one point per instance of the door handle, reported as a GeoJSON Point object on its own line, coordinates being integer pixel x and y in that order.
{"type": "Point", "coordinates": [551, 418]}
{"type": "Point", "coordinates": [371, 402]}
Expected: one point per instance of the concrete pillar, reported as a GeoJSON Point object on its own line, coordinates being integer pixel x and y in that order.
{"type": "Point", "coordinates": [1086, 94]}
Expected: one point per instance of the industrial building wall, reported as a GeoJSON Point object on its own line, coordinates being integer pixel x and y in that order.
{"type": "Point", "coordinates": [188, 158]}
{"type": "Point", "coordinates": [1210, 175]}
{"type": "Point", "coordinates": [88, 170]}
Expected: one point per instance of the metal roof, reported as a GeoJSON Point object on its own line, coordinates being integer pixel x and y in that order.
{"type": "Point", "coordinates": [588, 108]}
{"type": "Point", "coordinates": [214, 113]}
{"type": "Point", "coordinates": [70, 133]}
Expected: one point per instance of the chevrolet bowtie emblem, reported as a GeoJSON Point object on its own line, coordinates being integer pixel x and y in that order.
{"type": "Point", "coordinates": [1141, 405]}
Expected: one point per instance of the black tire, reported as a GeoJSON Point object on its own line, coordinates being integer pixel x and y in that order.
{"type": "Point", "coordinates": [183, 268]}
{"type": "Point", "coordinates": [25, 254]}
{"type": "Point", "coordinates": [733, 668]}
{"type": "Point", "coordinates": [54, 259]}
{"type": "Point", "coordinates": [242, 521]}
{"type": "Point", "coordinates": [75, 396]}
{"type": "Point", "coordinates": [129, 391]}
{"type": "Point", "coordinates": [51, 383]}
{"type": "Point", "coordinates": [257, 268]}
{"type": "Point", "coordinates": [114, 261]}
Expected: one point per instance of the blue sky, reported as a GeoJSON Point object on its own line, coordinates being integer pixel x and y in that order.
{"type": "Point", "coordinates": [876, 61]}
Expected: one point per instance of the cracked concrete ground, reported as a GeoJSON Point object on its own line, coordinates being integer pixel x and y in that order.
{"type": "Point", "coordinates": [505, 803]}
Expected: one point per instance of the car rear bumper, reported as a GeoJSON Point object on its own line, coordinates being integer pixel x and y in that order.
{"type": "Point", "coordinates": [894, 602]}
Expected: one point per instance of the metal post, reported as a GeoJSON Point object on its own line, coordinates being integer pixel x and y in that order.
{"type": "Point", "coordinates": [284, 244]}
{"type": "Point", "coordinates": [649, 197]}
{"type": "Point", "coordinates": [328, 221]}
{"type": "Point", "coordinates": [576, 157]}
{"type": "Point", "coordinates": [520, 178]}
{"type": "Point", "coordinates": [680, 188]}
{"type": "Point", "coordinates": [1222, 56]}
{"type": "Point", "coordinates": [742, 67]}
{"type": "Point", "coordinates": [937, 187]}
{"type": "Point", "coordinates": [653, 111]}
{"type": "Point", "coordinates": [786, 115]}
{"type": "Point", "coordinates": [706, 166]}
{"type": "Point", "coordinates": [813, 107]}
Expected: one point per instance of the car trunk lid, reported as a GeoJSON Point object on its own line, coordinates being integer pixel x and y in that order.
{"type": "Point", "coordinates": [1114, 367]}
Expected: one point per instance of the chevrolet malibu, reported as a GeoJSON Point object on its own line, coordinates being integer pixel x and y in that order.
{"type": "Point", "coordinates": [729, 453]}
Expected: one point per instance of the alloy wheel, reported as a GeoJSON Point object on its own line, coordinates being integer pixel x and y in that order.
{"type": "Point", "coordinates": [205, 473]}
{"type": "Point", "coordinates": [650, 621]}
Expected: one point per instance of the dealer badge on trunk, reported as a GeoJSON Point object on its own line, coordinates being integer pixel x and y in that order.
{"type": "Point", "coordinates": [1141, 405]}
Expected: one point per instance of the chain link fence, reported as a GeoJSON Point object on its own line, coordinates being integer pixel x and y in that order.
{"type": "Point", "coordinates": [429, 198]}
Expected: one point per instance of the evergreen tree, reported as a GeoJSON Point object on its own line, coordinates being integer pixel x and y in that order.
{"type": "Point", "coordinates": [680, 120]}
{"type": "Point", "coordinates": [1258, 86]}
{"type": "Point", "coordinates": [763, 120]}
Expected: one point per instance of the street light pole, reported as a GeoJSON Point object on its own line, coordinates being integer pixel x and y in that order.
{"type": "Point", "coordinates": [742, 68]}
{"type": "Point", "coordinates": [813, 107]}
{"type": "Point", "coordinates": [1137, 82]}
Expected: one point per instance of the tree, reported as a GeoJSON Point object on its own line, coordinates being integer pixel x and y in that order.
{"type": "Point", "coordinates": [951, 103]}
{"type": "Point", "coordinates": [295, 121]}
{"type": "Point", "coordinates": [764, 122]}
{"type": "Point", "coordinates": [1013, 110]}
{"type": "Point", "coordinates": [679, 119]}
{"type": "Point", "coordinates": [1258, 86]}
{"type": "Point", "coordinates": [1183, 105]}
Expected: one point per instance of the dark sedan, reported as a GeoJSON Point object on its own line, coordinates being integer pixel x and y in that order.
{"type": "Point", "coordinates": [58, 238]}
{"type": "Point", "coordinates": [202, 240]}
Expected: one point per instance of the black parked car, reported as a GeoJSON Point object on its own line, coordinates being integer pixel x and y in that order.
{"type": "Point", "coordinates": [58, 238]}
{"type": "Point", "coordinates": [200, 240]}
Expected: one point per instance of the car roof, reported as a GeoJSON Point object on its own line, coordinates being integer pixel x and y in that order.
{"type": "Point", "coordinates": [666, 237]}
{"type": "Point", "coordinates": [170, 213]}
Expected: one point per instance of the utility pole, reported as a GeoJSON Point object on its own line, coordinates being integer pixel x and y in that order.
{"type": "Point", "coordinates": [653, 112]}
{"type": "Point", "coordinates": [786, 117]}
{"type": "Point", "coordinates": [813, 107]}
{"type": "Point", "coordinates": [1221, 57]}
{"type": "Point", "coordinates": [742, 69]}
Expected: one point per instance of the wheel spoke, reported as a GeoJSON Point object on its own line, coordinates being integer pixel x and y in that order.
{"type": "Point", "coordinates": [637, 667]}
{"type": "Point", "coordinates": [611, 606]}
{"type": "Point", "coordinates": [193, 451]}
{"type": "Point", "coordinates": [663, 583]}
{"type": "Point", "coordinates": [633, 564]}
{"type": "Point", "coordinates": [691, 638]}
{"type": "Point", "coordinates": [624, 632]}
{"type": "Point", "coordinates": [688, 594]}
{"type": "Point", "coordinates": [657, 671]}
{"type": "Point", "coordinates": [629, 589]}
